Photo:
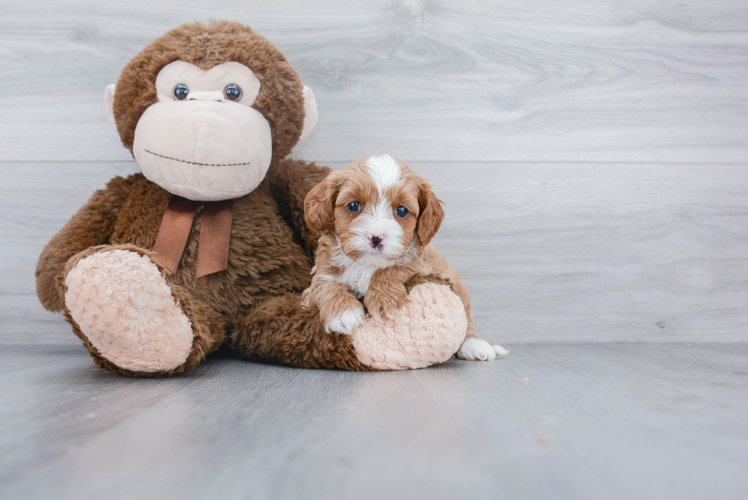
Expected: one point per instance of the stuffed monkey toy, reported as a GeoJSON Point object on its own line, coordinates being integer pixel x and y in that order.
{"type": "Point", "coordinates": [207, 248]}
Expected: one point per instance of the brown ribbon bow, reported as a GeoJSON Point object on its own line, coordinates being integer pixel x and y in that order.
{"type": "Point", "coordinates": [215, 233]}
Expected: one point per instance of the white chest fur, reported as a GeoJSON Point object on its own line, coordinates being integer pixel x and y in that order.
{"type": "Point", "coordinates": [355, 276]}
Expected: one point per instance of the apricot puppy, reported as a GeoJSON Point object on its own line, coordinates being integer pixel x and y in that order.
{"type": "Point", "coordinates": [376, 219]}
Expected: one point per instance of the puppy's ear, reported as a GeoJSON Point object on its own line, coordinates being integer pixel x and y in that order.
{"type": "Point", "coordinates": [431, 215]}
{"type": "Point", "coordinates": [319, 205]}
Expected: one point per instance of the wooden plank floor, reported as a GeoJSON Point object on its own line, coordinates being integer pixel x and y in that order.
{"type": "Point", "coordinates": [594, 162]}
{"type": "Point", "coordinates": [549, 421]}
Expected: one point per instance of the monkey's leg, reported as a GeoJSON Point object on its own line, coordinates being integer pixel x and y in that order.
{"type": "Point", "coordinates": [472, 348]}
{"type": "Point", "coordinates": [132, 320]}
{"type": "Point", "coordinates": [427, 330]}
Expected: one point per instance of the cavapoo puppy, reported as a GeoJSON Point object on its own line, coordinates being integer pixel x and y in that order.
{"type": "Point", "coordinates": [375, 219]}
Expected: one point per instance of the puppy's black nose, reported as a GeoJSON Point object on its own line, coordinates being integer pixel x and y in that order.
{"type": "Point", "coordinates": [376, 241]}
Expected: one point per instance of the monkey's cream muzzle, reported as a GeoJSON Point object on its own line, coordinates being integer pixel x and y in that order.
{"type": "Point", "coordinates": [204, 144]}
{"type": "Point", "coordinates": [203, 149]}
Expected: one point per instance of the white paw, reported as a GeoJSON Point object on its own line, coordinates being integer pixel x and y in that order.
{"type": "Point", "coordinates": [480, 350]}
{"type": "Point", "coordinates": [346, 322]}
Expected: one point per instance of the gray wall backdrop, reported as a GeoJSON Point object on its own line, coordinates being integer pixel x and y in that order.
{"type": "Point", "coordinates": [592, 154]}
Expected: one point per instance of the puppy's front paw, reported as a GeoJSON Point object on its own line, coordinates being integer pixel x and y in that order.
{"type": "Point", "coordinates": [384, 304]}
{"type": "Point", "coordinates": [345, 322]}
{"type": "Point", "coordinates": [480, 350]}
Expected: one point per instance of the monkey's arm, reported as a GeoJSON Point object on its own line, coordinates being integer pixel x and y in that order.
{"type": "Point", "coordinates": [92, 225]}
{"type": "Point", "coordinates": [289, 183]}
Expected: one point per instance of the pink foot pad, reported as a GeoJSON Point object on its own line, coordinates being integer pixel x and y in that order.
{"type": "Point", "coordinates": [427, 330]}
{"type": "Point", "coordinates": [125, 308]}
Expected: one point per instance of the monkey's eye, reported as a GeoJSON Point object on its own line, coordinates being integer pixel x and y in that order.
{"type": "Point", "coordinates": [353, 207]}
{"type": "Point", "coordinates": [402, 212]}
{"type": "Point", "coordinates": [181, 91]}
{"type": "Point", "coordinates": [232, 92]}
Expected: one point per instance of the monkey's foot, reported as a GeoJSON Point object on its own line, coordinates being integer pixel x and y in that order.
{"type": "Point", "coordinates": [124, 307]}
{"type": "Point", "coordinates": [427, 330]}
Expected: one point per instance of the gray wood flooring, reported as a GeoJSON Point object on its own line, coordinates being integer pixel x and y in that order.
{"type": "Point", "coordinates": [588, 421]}
{"type": "Point", "coordinates": [593, 157]}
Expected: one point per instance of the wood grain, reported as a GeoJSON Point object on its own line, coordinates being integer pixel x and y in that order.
{"type": "Point", "coordinates": [549, 253]}
{"type": "Point", "coordinates": [639, 81]}
{"type": "Point", "coordinates": [599, 252]}
{"type": "Point", "coordinates": [592, 155]}
{"type": "Point", "coordinates": [549, 421]}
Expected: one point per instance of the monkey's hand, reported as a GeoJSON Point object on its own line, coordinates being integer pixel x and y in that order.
{"type": "Point", "coordinates": [93, 225]}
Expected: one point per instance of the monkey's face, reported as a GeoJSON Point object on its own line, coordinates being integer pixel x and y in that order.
{"type": "Point", "coordinates": [206, 109]}
{"type": "Point", "coordinates": [203, 140]}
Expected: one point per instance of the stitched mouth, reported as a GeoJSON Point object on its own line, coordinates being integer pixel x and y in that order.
{"type": "Point", "coordinates": [197, 163]}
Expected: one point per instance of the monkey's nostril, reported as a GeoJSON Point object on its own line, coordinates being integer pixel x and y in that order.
{"type": "Point", "coordinates": [376, 241]}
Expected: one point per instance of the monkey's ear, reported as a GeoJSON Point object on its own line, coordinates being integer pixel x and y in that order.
{"type": "Point", "coordinates": [109, 99]}
{"type": "Point", "coordinates": [319, 205]}
{"type": "Point", "coordinates": [310, 112]}
{"type": "Point", "coordinates": [431, 216]}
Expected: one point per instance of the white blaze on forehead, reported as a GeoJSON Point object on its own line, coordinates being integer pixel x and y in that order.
{"type": "Point", "coordinates": [380, 215]}
{"type": "Point", "coordinates": [384, 171]}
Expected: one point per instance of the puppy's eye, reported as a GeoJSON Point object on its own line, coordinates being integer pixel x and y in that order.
{"type": "Point", "coordinates": [232, 92]}
{"type": "Point", "coordinates": [353, 207]}
{"type": "Point", "coordinates": [181, 91]}
{"type": "Point", "coordinates": [402, 212]}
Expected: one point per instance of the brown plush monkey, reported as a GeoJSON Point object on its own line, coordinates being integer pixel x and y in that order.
{"type": "Point", "coordinates": [208, 248]}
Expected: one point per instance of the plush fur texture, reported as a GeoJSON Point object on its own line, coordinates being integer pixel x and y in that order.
{"type": "Point", "coordinates": [264, 259]}
{"type": "Point", "coordinates": [101, 272]}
